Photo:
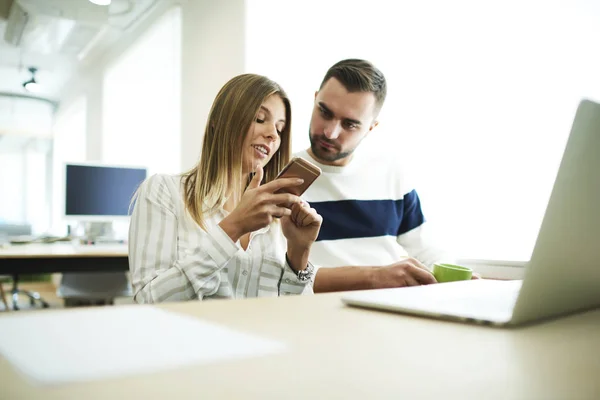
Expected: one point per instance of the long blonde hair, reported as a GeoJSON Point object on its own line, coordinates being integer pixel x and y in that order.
{"type": "Point", "coordinates": [218, 174]}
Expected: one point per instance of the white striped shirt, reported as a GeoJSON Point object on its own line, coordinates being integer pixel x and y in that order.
{"type": "Point", "coordinates": [172, 259]}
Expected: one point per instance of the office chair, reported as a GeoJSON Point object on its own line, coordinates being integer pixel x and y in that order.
{"type": "Point", "coordinates": [13, 231]}
{"type": "Point", "coordinates": [93, 288]}
{"type": "Point", "coordinates": [33, 296]}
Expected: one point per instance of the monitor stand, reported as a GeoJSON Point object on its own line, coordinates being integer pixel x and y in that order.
{"type": "Point", "coordinates": [98, 232]}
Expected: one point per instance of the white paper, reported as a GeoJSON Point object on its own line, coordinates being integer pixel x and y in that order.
{"type": "Point", "coordinates": [98, 343]}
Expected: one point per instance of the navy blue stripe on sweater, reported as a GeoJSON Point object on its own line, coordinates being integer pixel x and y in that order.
{"type": "Point", "coordinates": [348, 219]}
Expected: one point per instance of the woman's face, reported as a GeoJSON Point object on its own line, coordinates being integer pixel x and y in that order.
{"type": "Point", "coordinates": [264, 136]}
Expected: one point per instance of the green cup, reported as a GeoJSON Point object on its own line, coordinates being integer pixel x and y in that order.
{"type": "Point", "coordinates": [451, 273]}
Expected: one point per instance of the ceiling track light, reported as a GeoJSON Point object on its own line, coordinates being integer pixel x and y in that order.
{"type": "Point", "coordinates": [32, 85]}
{"type": "Point", "coordinates": [101, 2]}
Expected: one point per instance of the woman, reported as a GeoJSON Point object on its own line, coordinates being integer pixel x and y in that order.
{"type": "Point", "coordinates": [216, 231]}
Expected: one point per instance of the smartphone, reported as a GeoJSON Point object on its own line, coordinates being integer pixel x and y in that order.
{"type": "Point", "coordinates": [298, 167]}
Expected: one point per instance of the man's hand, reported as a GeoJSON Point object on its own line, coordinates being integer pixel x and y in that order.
{"type": "Point", "coordinates": [408, 272]}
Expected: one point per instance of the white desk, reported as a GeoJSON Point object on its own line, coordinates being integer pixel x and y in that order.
{"type": "Point", "coordinates": [337, 352]}
{"type": "Point", "coordinates": [62, 257]}
{"type": "Point", "coordinates": [38, 250]}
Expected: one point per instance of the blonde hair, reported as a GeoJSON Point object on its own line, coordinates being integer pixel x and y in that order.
{"type": "Point", "coordinates": [219, 173]}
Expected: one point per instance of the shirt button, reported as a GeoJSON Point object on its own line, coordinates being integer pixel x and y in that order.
{"type": "Point", "coordinates": [244, 273]}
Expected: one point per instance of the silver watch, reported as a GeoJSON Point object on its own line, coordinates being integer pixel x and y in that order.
{"type": "Point", "coordinates": [305, 274]}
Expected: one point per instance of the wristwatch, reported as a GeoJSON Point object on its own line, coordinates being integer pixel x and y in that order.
{"type": "Point", "coordinates": [304, 275]}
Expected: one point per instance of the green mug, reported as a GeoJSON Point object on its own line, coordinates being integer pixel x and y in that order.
{"type": "Point", "coordinates": [451, 273]}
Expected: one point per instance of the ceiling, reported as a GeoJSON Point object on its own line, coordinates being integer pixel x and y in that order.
{"type": "Point", "coordinates": [55, 70]}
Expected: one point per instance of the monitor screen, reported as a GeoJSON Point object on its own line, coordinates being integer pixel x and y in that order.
{"type": "Point", "coordinates": [100, 191]}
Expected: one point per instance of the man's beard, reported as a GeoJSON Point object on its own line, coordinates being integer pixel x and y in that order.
{"type": "Point", "coordinates": [330, 155]}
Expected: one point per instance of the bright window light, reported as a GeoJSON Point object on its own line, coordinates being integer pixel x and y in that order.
{"type": "Point", "coordinates": [481, 97]}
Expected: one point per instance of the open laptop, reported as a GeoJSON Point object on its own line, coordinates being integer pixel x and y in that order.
{"type": "Point", "coordinates": [563, 275]}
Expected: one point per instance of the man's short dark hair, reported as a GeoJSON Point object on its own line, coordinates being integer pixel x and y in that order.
{"type": "Point", "coordinates": [359, 76]}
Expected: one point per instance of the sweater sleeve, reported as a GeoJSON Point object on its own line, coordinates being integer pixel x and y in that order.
{"type": "Point", "coordinates": [415, 235]}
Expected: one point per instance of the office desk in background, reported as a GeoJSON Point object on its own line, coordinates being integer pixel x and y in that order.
{"type": "Point", "coordinates": [62, 258]}
{"type": "Point", "coordinates": [337, 352]}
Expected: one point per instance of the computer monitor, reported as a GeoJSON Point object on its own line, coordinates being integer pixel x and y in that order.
{"type": "Point", "coordinates": [100, 193]}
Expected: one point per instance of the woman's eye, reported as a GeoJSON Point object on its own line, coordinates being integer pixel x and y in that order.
{"type": "Point", "coordinates": [260, 121]}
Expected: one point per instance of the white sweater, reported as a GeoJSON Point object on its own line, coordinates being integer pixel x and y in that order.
{"type": "Point", "coordinates": [371, 215]}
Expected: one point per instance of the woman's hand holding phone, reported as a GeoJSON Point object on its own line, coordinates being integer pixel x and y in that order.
{"type": "Point", "coordinates": [298, 167]}
{"type": "Point", "coordinates": [302, 226]}
{"type": "Point", "coordinates": [260, 204]}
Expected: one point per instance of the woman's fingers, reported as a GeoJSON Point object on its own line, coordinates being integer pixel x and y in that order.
{"type": "Point", "coordinates": [281, 184]}
{"type": "Point", "coordinates": [279, 212]}
{"type": "Point", "coordinates": [284, 199]}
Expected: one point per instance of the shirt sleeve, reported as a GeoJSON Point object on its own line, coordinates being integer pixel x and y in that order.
{"type": "Point", "coordinates": [290, 284]}
{"type": "Point", "coordinates": [160, 271]}
{"type": "Point", "coordinates": [415, 235]}
{"type": "Point", "coordinates": [278, 268]}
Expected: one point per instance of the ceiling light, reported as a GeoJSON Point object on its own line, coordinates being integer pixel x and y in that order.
{"type": "Point", "coordinates": [32, 85]}
{"type": "Point", "coordinates": [101, 2]}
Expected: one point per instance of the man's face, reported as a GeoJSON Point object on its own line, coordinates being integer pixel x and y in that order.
{"type": "Point", "coordinates": [340, 121]}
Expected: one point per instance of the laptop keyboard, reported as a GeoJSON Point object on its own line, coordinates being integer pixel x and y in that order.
{"type": "Point", "coordinates": [480, 301]}
{"type": "Point", "coordinates": [484, 300]}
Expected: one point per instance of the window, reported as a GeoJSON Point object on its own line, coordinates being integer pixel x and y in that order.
{"type": "Point", "coordinates": [25, 148]}
{"type": "Point", "coordinates": [480, 101]}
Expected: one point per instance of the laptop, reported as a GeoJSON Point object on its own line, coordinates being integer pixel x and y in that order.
{"type": "Point", "coordinates": [563, 275]}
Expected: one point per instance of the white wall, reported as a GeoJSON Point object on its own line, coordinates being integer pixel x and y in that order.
{"type": "Point", "coordinates": [481, 96]}
{"type": "Point", "coordinates": [213, 51]}
{"type": "Point", "coordinates": [141, 100]}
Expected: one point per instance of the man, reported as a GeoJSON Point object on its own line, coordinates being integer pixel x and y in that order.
{"type": "Point", "coordinates": [372, 228]}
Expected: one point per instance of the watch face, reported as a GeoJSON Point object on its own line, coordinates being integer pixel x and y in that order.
{"type": "Point", "coordinates": [307, 273]}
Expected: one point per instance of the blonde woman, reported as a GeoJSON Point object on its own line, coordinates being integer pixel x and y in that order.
{"type": "Point", "coordinates": [221, 230]}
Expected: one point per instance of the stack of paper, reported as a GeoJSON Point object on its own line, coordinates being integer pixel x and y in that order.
{"type": "Point", "coordinates": [91, 344]}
